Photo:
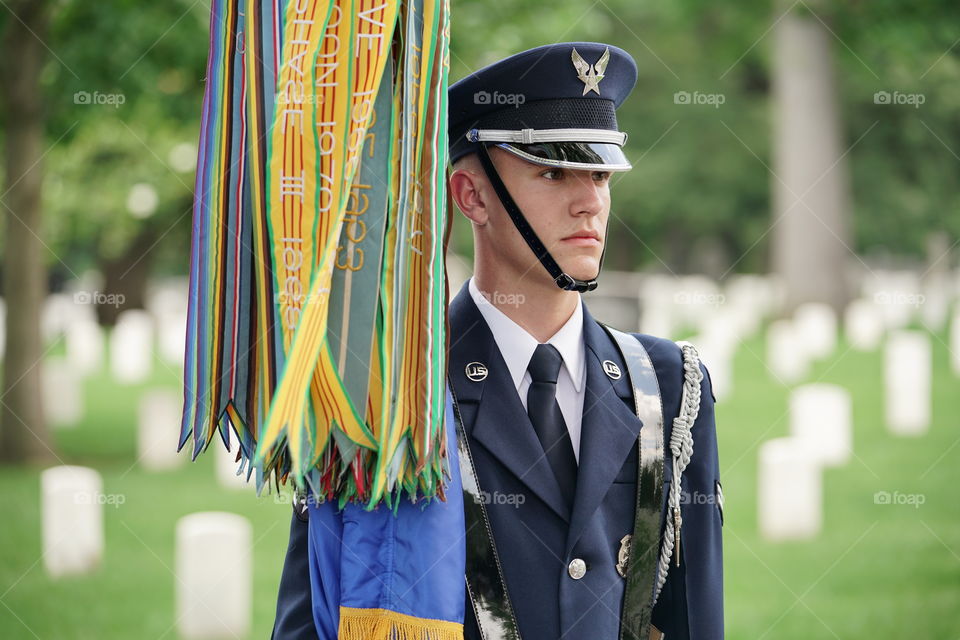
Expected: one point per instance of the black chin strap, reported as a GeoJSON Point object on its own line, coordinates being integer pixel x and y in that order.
{"type": "Point", "coordinates": [563, 280]}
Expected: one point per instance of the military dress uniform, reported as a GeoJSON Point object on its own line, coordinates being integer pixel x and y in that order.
{"type": "Point", "coordinates": [560, 544]}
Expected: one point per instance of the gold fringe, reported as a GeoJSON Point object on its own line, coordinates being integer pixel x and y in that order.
{"type": "Point", "coordinates": [382, 624]}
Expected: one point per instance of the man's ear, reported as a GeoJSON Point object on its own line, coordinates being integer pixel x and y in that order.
{"type": "Point", "coordinates": [465, 185]}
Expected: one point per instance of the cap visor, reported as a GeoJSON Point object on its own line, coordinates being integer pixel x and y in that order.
{"type": "Point", "coordinates": [588, 156]}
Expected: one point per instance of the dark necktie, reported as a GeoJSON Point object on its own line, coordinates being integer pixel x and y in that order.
{"type": "Point", "coordinates": [547, 420]}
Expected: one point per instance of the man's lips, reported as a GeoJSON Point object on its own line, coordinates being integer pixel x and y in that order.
{"type": "Point", "coordinates": [583, 238]}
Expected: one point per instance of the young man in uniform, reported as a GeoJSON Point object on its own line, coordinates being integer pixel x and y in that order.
{"type": "Point", "coordinates": [576, 433]}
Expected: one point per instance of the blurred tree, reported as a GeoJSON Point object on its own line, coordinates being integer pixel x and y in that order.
{"type": "Point", "coordinates": [901, 64]}
{"type": "Point", "coordinates": [107, 95]}
{"type": "Point", "coordinates": [121, 180]}
{"type": "Point", "coordinates": [23, 432]}
{"type": "Point", "coordinates": [810, 183]}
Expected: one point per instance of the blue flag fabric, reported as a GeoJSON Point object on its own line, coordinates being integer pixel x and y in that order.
{"type": "Point", "coordinates": [391, 571]}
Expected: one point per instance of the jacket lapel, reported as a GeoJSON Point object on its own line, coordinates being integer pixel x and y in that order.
{"type": "Point", "coordinates": [609, 428]}
{"type": "Point", "coordinates": [492, 413]}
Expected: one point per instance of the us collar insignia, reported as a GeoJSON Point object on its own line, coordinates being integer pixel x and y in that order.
{"type": "Point", "coordinates": [476, 371]}
{"type": "Point", "coordinates": [590, 75]}
{"type": "Point", "coordinates": [611, 369]}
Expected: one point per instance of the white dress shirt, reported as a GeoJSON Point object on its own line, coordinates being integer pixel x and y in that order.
{"type": "Point", "coordinates": [517, 347]}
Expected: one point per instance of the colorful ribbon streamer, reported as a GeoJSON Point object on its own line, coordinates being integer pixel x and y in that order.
{"type": "Point", "coordinates": [316, 328]}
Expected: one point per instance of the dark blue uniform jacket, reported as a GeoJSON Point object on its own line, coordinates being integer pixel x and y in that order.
{"type": "Point", "coordinates": [537, 536]}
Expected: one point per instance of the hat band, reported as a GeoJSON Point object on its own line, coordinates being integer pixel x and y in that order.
{"type": "Point", "coordinates": [533, 136]}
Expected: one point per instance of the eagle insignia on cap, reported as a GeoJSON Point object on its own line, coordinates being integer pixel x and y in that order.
{"type": "Point", "coordinates": [590, 75]}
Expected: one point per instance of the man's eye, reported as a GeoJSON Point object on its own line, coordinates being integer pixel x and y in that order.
{"type": "Point", "coordinates": [552, 174]}
{"type": "Point", "coordinates": [601, 176]}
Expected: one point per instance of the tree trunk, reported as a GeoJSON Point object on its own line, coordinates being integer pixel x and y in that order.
{"type": "Point", "coordinates": [23, 432]}
{"type": "Point", "coordinates": [125, 277]}
{"type": "Point", "coordinates": [811, 202]}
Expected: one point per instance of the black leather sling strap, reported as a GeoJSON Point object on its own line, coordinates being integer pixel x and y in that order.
{"type": "Point", "coordinates": [645, 543]}
{"type": "Point", "coordinates": [485, 583]}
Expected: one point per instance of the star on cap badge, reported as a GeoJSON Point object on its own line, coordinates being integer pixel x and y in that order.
{"type": "Point", "coordinates": [590, 75]}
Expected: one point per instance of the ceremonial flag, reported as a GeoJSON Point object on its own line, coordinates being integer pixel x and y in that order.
{"type": "Point", "coordinates": [384, 575]}
{"type": "Point", "coordinates": [316, 325]}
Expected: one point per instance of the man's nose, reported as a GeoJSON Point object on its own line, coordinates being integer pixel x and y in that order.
{"type": "Point", "coordinates": [589, 196]}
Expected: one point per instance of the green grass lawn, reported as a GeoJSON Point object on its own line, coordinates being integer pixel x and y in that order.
{"type": "Point", "coordinates": [132, 594]}
{"type": "Point", "coordinates": [876, 571]}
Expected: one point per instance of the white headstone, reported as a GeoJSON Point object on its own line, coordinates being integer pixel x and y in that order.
{"type": "Point", "coordinates": [131, 352]}
{"type": "Point", "coordinates": [934, 302]}
{"type": "Point", "coordinates": [935, 305]}
{"type": "Point", "coordinates": [57, 312]}
{"type": "Point", "coordinates": [897, 294]}
{"type": "Point", "coordinates": [85, 346]}
{"type": "Point", "coordinates": [656, 320]}
{"type": "Point", "coordinates": [166, 301]}
{"type": "Point", "coordinates": [227, 466]}
{"type": "Point", "coordinates": [955, 341]}
{"type": "Point", "coordinates": [907, 376]}
{"type": "Point", "coordinates": [716, 354]}
{"type": "Point", "coordinates": [695, 300]}
{"type": "Point", "coordinates": [214, 575]}
{"type": "Point", "coordinates": [789, 492]}
{"type": "Point", "coordinates": [172, 329]}
{"type": "Point", "coordinates": [616, 311]}
{"type": "Point", "coordinates": [158, 430]}
{"type": "Point", "coordinates": [816, 326]}
{"type": "Point", "coordinates": [752, 296]}
{"type": "Point", "coordinates": [62, 393]}
{"type": "Point", "coordinates": [72, 508]}
{"type": "Point", "coordinates": [787, 357]}
{"type": "Point", "coordinates": [657, 317]}
{"type": "Point", "coordinates": [863, 324]}
{"type": "Point", "coordinates": [746, 312]}
{"type": "Point", "coordinates": [821, 415]}
{"type": "Point", "coordinates": [169, 295]}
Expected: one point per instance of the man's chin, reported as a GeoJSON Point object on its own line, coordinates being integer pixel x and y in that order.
{"type": "Point", "coordinates": [581, 271]}
{"type": "Point", "coordinates": [578, 269]}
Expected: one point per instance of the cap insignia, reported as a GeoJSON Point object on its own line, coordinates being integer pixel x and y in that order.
{"type": "Point", "coordinates": [590, 75]}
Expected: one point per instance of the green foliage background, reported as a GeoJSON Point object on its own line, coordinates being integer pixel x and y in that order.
{"type": "Point", "coordinates": [699, 196]}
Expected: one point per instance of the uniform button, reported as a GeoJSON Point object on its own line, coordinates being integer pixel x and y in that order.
{"type": "Point", "coordinates": [577, 568]}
